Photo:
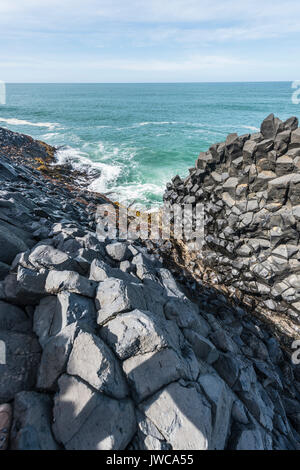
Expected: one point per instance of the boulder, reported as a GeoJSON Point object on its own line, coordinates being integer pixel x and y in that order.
{"type": "Point", "coordinates": [13, 318]}
{"type": "Point", "coordinates": [45, 256]}
{"type": "Point", "coordinates": [92, 361]}
{"type": "Point", "coordinates": [245, 438]}
{"type": "Point", "coordinates": [270, 127]}
{"type": "Point", "coordinates": [27, 287]}
{"type": "Point", "coordinates": [43, 318]}
{"type": "Point", "coordinates": [291, 123]}
{"type": "Point", "coordinates": [21, 362]}
{"type": "Point", "coordinates": [87, 420]}
{"type": "Point", "coordinates": [183, 426]}
{"type": "Point", "coordinates": [4, 270]}
{"type": "Point", "coordinates": [11, 244]}
{"type": "Point", "coordinates": [168, 367]}
{"type": "Point", "coordinates": [32, 422]}
{"type": "Point", "coordinates": [72, 308]}
{"type": "Point", "coordinates": [115, 296]}
{"type": "Point", "coordinates": [58, 281]}
{"type": "Point", "coordinates": [295, 139]}
{"type": "Point", "coordinates": [55, 357]}
{"type": "Point", "coordinates": [134, 333]}
{"type": "Point", "coordinates": [221, 399]}
{"type": "Point", "coordinates": [100, 271]}
{"type": "Point", "coordinates": [118, 251]}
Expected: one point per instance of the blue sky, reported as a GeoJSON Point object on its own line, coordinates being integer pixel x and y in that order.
{"type": "Point", "coordinates": [149, 40]}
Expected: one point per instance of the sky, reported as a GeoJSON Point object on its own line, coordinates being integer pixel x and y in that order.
{"type": "Point", "coordinates": [149, 40]}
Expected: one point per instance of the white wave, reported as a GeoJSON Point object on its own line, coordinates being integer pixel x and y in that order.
{"type": "Point", "coordinates": [251, 128]}
{"type": "Point", "coordinates": [50, 135]}
{"type": "Point", "coordinates": [21, 122]}
{"type": "Point", "coordinates": [109, 173]}
{"type": "Point", "coordinates": [159, 123]}
{"type": "Point", "coordinates": [138, 193]}
{"type": "Point", "coordinates": [80, 161]}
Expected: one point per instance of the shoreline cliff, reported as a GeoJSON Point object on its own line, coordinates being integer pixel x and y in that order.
{"type": "Point", "coordinates": [105, 347]}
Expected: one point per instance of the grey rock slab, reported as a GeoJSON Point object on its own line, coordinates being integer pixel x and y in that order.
{"type": "Point", "coordinates": [115, 296]}
{"type": "Point", "coordinates": [185, 314]}
{"type": "Point", "coordinates": [22, 357]}
{"type": "Point", "coordinates": [145, 268]}
{"type": "Point", "coordinates": [155, 296]}
{"type": "Point", "coordinates": [93, 361]}
{"type": "Point", "coordinates": [100, 271]}
{"type": "Point", "coordinates": [14, 318]}
{"type": "Point", "coordinates": [247, 438]}
{"type": "Point", "coordinates": [295, 139]}
{"type": "Point", "coordinates": [291, 123]}
{"type": "Point", "coordinates": [221, 399]}
{"type": "Point", "coordinates": [239, 413]}
{"type": "Point", "coordinates": [182, 415]}
{"type": "Point", "coordinates": [118, 251]}
{"type": "Point", "coordinates": [87, 420]}
{"type": "Point", "coordinates": [55, 357]}
{"type": "Point", "coordinates": [203, 348]}
{"type": "Point", "coordinates": [169, 283]}
{"type": "Point", "coordinates": [30, 286]}
{"type": "Point", "coordinates": [43, 318]}
{"type": "Point", "coordinates": [148, 436]}
{"type": "Point", "coordinates": [147, 373]}
{"type": "Point", "coordinates": [228, 368]}
{"type": "Point", "coordinates": [269, 127]}
{"type": "Point", "coordinates": [11, 244]}
{"type": "Point", "coordinates": [133, 333]}
{"type": "Point", "coordinates": [223, 341]}
{"type": "Point", "coordinates": [58, 281]}
{"type": "Point", "coordinates": [259, 405]}
{"type": "Point", "coordinates": [32, 421]}
{"type": "Point", "coordinates": [4, 270]}
{"type": "Point", "coordinates": [45, 256]}
{"type": "Point", "coordinates": [72, 308]}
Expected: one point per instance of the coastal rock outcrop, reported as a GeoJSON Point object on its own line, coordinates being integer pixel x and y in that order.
{"type": "Point", "coordinates": [249, 186]}
{"type": "Point", "coordinates": [106, 349]}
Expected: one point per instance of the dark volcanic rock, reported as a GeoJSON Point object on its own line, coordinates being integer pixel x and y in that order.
{"type": "Point", "coordinates": [101, 346]}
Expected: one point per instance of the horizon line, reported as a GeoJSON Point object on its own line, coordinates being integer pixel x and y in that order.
{"type": "Point", "coordinates": [145, 83]}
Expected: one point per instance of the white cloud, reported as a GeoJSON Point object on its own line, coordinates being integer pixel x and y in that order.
{"type": "Point", "coordinates": [149, 11]}
{"type": "Point", "coordinates": [182, 39]}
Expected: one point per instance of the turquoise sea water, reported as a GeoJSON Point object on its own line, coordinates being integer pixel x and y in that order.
{"type": "Point", "coordinates": [138, 136]}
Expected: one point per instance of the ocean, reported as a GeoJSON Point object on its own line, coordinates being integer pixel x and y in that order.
{"type": "Point", "coordinates": [138, 136]}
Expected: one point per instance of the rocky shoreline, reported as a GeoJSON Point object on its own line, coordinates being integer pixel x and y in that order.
{"type": "Point", "coordinates": [106, 348]}
{"type": "Point", "coordinates": [249, 188]}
